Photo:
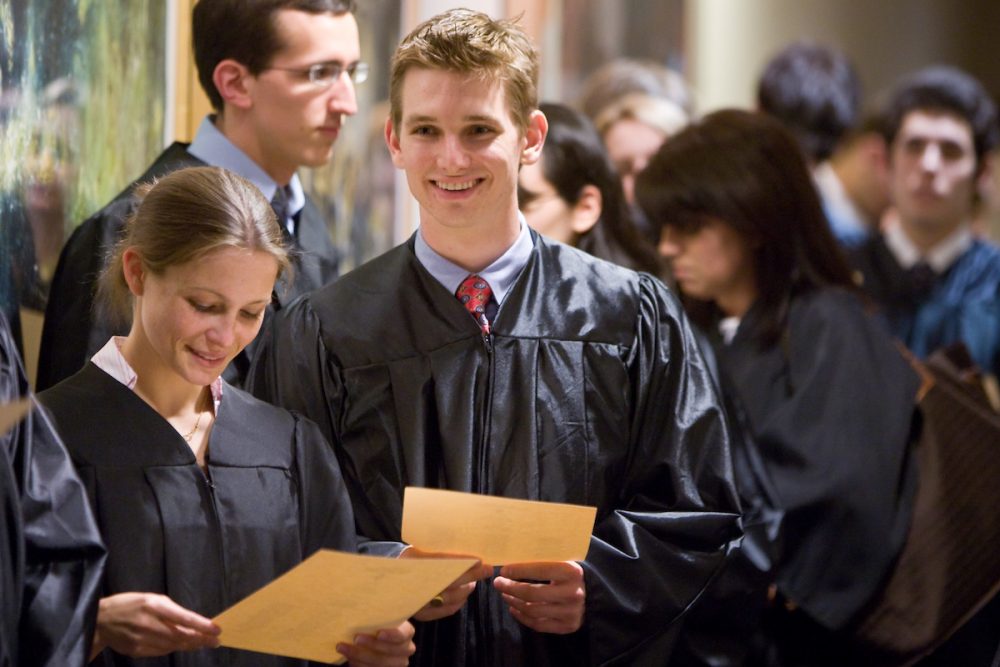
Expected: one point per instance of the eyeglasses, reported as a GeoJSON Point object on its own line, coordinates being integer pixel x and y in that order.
{"type": "Point", "coordinates": [324, 75]}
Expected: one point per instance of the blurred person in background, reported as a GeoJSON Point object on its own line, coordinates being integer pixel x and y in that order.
{"type": "Point", "coordinates": [623, 76]}
{"type": "Point", "coordinates": [633, 128]}
{"type": "Point", "coordinates": [933, 280]}
{"type": "Point", "coordinates": [573, 195]}
{"type": "Point", "coordinates": [815, 91]}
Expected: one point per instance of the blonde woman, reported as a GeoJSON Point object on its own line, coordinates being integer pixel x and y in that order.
{"type": "Point", "coordinates": [203, 494]}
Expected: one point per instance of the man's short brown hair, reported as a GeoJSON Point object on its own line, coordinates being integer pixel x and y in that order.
{"type": "Point", "coordinates": [469, 42]}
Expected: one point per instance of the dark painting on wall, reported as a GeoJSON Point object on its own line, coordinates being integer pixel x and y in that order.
{"type": "Point", "coordinates": [83, 90]}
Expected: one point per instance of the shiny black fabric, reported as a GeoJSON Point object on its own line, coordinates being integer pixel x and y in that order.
{"type": "Point", "coordinates": [590, 390]}
{"type": "Point", "coordinates": [74, 330]}
{"type": "Point", "coordinates": [831, 410]}
{"type": "Point", "coordinates": [272, 494]}
{"type": "Point", "coordinates": [51, 556]}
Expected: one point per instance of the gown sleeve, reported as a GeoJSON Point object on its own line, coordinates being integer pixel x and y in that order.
{"type": "Point", "coordinates": [290, 369]}
{"type": "Point", "coordinates": [678, 516]}
{"type": "Point", "coordinates": [832, 411]}
{"type": "Point", "coordinates": [326, 519]}
{"type": "Point", "coordinates": [62, 550]}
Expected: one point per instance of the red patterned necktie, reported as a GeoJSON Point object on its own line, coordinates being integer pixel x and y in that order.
{"type": "Point", "coordinates": [475, 293]}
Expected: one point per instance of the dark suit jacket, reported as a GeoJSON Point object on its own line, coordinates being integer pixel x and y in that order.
{"type": "Point", "coordinates": [75, 329]}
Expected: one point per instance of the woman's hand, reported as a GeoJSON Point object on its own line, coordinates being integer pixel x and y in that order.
{"type": "Point", "coordinates": [388, 647]}
{"type": "Point", "coordinates": [142, 625]}
{"type": "Point", "coordinates": [452, 598]}
{"type": "Point", "coordinates": [553, 599]}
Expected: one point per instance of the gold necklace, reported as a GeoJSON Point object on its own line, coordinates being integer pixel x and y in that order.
{"type": "Point", "coordinates": [197, 422]}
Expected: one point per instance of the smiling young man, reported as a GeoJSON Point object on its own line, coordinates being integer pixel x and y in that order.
{"type": "Point", "coordinates": [552, 376]}
{"type": "Point", "coordinates": [935, 283]}
{"type": "Point", "coordinates": [280, 75]}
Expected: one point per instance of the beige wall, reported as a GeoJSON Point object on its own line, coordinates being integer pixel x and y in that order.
{"type": "Point", "coordinates": [731, 40]}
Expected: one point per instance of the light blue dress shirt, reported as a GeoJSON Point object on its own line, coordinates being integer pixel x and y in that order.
{"type": "Point", "coordinates": [500, 275]}
{"type": "Point", "coordinates": [214, 148]}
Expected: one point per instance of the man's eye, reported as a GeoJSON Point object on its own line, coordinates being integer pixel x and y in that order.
{"type": "Point", "coordinates": [326, 71]}
{"type": "Point", "coordinates": [951, 151]}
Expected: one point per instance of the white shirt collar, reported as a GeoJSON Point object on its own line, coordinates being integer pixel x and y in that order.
{"type": "Point", "coordinates": [728, 326]}
{"type": "Point", "coordinates": [940, 257]}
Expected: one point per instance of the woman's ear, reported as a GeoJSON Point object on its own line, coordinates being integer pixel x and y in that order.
{"type": "Point", "coordinates": [587, 210]}
{"type": "Point", "coordinates": [134, 271]}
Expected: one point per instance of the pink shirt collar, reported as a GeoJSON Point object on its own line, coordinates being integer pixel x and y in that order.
{"type": "Point", "coordinates": [110, 360]}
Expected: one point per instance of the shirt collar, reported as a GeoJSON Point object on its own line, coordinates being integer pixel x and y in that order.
{"type": "Point", "coordinates": [940, 257]}
{"type": "Point", "coordinates": [500, 275]}
{"type": "Point", "coordinates": [111, 360]}
{"type": "Point", "coordinates": [728, 326]}
{"type": "Point", "coordinates": [213, 147]}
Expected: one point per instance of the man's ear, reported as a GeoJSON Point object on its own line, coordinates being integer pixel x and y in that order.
{"type": "Point", "coordinates": [392, 141]}
{"type": "Point", "coordinates": [534, 137]}
{"type": "Point", "coordinates": [134, 270]}
{"type": "Point", "coordinates": [587, 210]}
{"type": "Point", "coordinates": [234, 83]}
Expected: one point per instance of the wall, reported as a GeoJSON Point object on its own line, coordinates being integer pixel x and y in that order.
{"type": "Point", "coordinates": [730, 41]}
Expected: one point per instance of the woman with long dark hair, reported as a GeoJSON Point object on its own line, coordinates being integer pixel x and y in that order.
{"type": "Point", "coordinates": [827, 398]}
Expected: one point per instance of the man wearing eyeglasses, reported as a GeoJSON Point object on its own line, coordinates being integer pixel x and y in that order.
{"type": "Point", "coordinates": [280, 76]}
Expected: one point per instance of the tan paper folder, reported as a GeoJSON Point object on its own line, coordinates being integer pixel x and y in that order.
{"type": "Point", "coordinates": [329, 598]}
{"type": "Point", "coordinates": [12, 413]}
{"type": "Point", "coordinates": [497, 530]}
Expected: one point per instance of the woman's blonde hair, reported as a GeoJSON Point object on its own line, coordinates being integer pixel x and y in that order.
{"type": "Point", "coordinates": [185, 215]}
{"type": "Point", "coordinates": [656, 112]}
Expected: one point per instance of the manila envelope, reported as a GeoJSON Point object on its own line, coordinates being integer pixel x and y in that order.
{"type": "Point", "coordinates": [329, 598]}
{"type": "Point", "coordinates": [497, 530]}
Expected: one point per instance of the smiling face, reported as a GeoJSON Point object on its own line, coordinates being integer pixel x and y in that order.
{"type": "Point", "coordinates": [461, 150]}
{"type": "Point", "coordinates": [933, 172]}
{"type": "Point", "coordinates": [191, 320]}
{"type": "Point", "coordinates": [296, 122]}
{"type": "Point", "coordinates": [713, 263]}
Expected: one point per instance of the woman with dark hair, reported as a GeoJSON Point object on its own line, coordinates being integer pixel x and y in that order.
{"type": "Point", "coordinates": [202, 493]}
{"type": "Point", "coordinates": [827, 398]}
{"type": "Point", "coordinates": [573, 194]}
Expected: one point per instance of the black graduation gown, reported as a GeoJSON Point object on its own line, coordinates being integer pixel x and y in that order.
{"type": "Point", "coordinates": [76, 327]}
{"type": "Point", "coordinates": [51, 556]}
{"type": "Point", "coordinates": [962, 304]}
{"type": "Point", "coordinates": [272, 495]}
{"type": "Point", "coordinates": [590, 390]}
{"type": "Point", "coordinates": [831, 409]}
